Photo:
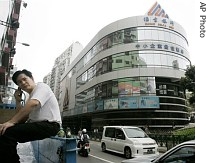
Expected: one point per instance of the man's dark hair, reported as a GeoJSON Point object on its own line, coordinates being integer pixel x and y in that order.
{"type": "Point", "coordinates": [17, 73]}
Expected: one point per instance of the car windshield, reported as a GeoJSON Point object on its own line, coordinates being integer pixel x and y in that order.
{"type": "Point", "coordinates": [135, 133]}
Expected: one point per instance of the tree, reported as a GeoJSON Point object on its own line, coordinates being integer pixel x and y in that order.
{"type": "Point", "coordinates": [188, 83]}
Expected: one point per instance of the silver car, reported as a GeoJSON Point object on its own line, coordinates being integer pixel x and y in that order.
{"type": "Point", "coordinates": [184, 153]}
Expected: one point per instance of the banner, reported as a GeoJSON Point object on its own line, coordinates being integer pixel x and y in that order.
{"type": "Point", "coordinates": [149, 102]}
{"type": "Point", "coordinates": [128, 103]}
{"type": "Point", "coordinates": [111, 103]}
{"type": "Point", "coordinates": [99, 105]}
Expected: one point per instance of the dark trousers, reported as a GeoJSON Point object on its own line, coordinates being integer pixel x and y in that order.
{"type": "Point", "coordinates": [21, 133]}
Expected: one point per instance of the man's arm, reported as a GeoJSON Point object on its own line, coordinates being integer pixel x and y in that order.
{"type": "Point", "coordinates": [23, 112]}
{"type": "Point", "coordinates": [20, 116]}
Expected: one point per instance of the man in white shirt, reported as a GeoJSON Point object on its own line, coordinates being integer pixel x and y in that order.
{"type": "Point", "coordinates": [38, 119]}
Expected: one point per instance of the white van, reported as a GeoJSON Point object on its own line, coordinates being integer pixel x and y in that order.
{"type": "Point", "coordinates": [128, 140]}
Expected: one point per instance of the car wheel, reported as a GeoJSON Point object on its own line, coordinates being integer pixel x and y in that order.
{"type": "Point", "coordinates": [127, 152]}
{"type": "Point", "coordinates": [103, 147]}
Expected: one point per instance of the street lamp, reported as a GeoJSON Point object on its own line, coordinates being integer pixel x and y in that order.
{"type": "Point", "coordinates": [22, 43]}
{"type": "Point", "coordinates": [25, 44]}
{"type": "Point", "coordinates": [13, 50]}
{"type": "Point", "coordinates": [13, 24]}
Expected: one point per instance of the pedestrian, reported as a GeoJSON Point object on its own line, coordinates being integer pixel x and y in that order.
{"type": "Point", "coordinates": [38, 119]}
{"type": "Point", "coordinates": [68, 132]}
{"type": "Point", "coordinates": [146, 129]}
{"type": "Point", "coordinates": [79, 133]}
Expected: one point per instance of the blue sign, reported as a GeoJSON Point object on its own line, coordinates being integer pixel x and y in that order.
{"type": "Point", "coordinates": [90, 106]}
{"type": "Point", "coordinates": [111, 103]}
{"type": "Point", "coordinates": [99, 105]}
{"type": "Point", "coordinates": [128, 103]}
{"type": "Point", "coordinates": [149, 102]}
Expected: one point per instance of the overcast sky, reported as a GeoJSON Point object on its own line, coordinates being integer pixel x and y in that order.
{"type": "Point", "coordinates": [50, 26]}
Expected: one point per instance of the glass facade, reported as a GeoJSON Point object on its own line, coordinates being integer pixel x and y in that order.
{"type": "Point", "coordinates": [133, 59]}
{"type": "Point", "coordinates": [172, 45]}
{"type": "Point", "coordinates": [157, 100]}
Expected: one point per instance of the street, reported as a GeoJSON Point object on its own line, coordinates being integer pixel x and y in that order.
{"type": "Point", "coordinates": [95, 155]}
{"type": "Point", "coordinates": [25, 152]}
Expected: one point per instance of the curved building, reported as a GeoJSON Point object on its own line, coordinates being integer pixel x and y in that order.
{"type": "Point", "coordinates": [129, 74]}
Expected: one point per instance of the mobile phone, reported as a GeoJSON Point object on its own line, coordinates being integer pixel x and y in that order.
{"type": "Point", "coordinates": [19, 89]}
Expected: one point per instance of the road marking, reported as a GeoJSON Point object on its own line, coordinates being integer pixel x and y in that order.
{"type": "Point", "coordinates": [101, 158]}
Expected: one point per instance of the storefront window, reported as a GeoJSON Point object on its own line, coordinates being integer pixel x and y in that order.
{"type": "Point", "coordinates": [99, 68]}
{"type": "Point", "coordinates": [104, 66]}
{"type": "Point", "coordinates": [147, 34]}
{"type": "Point", "coordinates": [114, 88]}
{"type": "Point", "coordinates": [130, 35]}
{"type": "Point", "coordinates": [104, 90]}
{"type": "Point", "coordinates": [84, 76]}
{"type": "Point", "coordinates": [125, 87]}
{"type": "Point", "coordinates": [167, 36]}
{"type": "Point", "coordinates": [98, 90]}
{"type": "Point", "coordinates": [157, 60]}
{"type": "Point", "coordinates": [141, 34]}
{"type": "Point", "coordinates": [154, 34]}
{"type": "Point", "coordinates": [161, 35]}
{"type": "Point", "coordinates": [164, 59]}
{"type": "Point", "coordinates": [91, 72]}
{"type": "Point", "coordinates": [103, 44]}
{"type": "Point", "coordinates": [162, 89]}
{"type": "Point", "coordinates": [118, 37]}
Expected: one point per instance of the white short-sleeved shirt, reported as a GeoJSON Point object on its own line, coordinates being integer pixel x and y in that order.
{"type": "Point", "coordinates": [48, 108]}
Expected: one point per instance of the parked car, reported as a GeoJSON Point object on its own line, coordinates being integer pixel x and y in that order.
{"type": "Point", "coordinates": [128, 140]}
{"type": "Point", "coordinates": [183, 153]}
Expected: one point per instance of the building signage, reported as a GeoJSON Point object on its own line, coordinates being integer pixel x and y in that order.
{"type": "Point", "coordinates": [159, 46]}
{"type": "Point", "coordinates": [149, 102]}
{"type": "Point", "coordinates": [158, 21]}
{"type": "Point", "coordinates": [99, 105]}
{"type": "Point", "coordinates": [128, 102]}
{"type": "Point", "coordinates": [111, 103]}
{"type": "Point", "coordinates": [90, 106]}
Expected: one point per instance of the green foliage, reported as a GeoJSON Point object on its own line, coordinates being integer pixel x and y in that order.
{"type": "Point", "coordinates": [188, 82]}
{"type": "Point", "coordinates": [187, 132]}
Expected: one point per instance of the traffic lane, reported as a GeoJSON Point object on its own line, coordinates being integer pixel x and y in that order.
{"type": "Point", "coordinates": [96, 155]}
{"type": "Point", "coordinates": [92, 159]}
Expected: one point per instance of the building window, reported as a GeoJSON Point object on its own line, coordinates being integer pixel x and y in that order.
{"type": "Point", "coordinates": [163, 89]}
{"type": "Point", "coordinates": [118, 60]}
{"type": "Point", "coordinates": [127, 62]}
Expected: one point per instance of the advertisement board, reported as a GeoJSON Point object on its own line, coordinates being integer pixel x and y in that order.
{"type": "Point", "coordinates": [111, 103]}
{"type": "Point", "coordinates": [149, 102]}
{"type": "Point", "coordinates": [99, 105]}
{"type": "Point", "coordinates": [128, 102]}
